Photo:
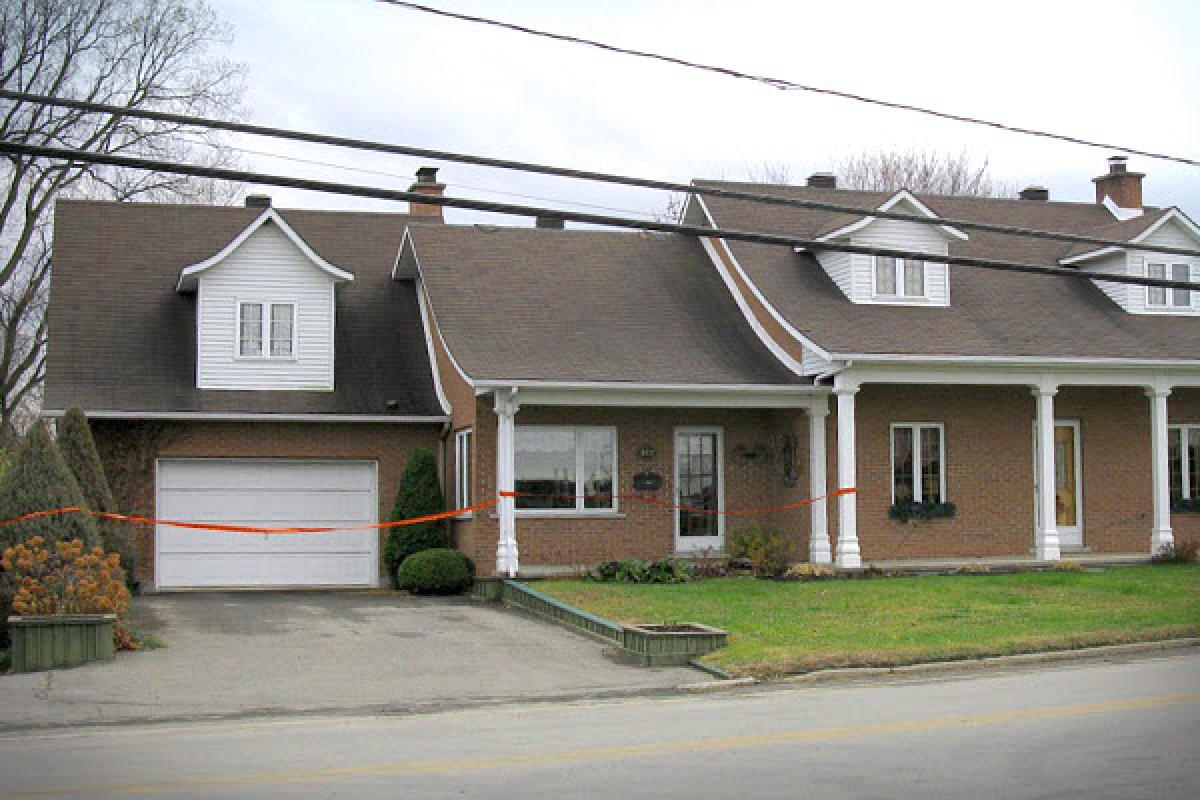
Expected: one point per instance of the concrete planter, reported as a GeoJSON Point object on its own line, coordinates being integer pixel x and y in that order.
{"type": "Point", "coordinates": [665, 645]}
{"type": "Point", "coordinates": [63, 640]}
{"type": "Point", "coordinates": [653, 645]}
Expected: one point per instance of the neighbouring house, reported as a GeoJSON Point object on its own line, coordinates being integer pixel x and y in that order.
{"type": "Point", "coordinates": [275, 367]}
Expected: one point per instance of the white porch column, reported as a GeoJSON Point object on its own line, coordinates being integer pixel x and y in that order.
{"type": "Point", "coordinates": [818, 542]}
{"type": "Point", "coordinates": [1046, 537]}
{"type": "Point", "coordinates": [1160, 531]}
{"type": "Point", "coordinates": [506, 546]}
{"type": "Point", "coordinates": [848, 554]}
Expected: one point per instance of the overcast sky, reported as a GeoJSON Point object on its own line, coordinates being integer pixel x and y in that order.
{"type": "Point", "coordinates": [1127, 73]}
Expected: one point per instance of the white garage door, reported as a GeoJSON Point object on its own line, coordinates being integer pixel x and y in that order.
{"type": "Point", "coordinates": [266, 493]}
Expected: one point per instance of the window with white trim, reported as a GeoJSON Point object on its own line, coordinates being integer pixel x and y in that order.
{"type": "Point", "coordinates": [566, 468]}
{"type": "Point", "coordinates": [462, 468]}
{"type": "Point", "coordinates": [918, 463]}
{"type": "Point", "coordinates": [899, 277]}
{"type": "Point", "coordinates": [266, 330]}
{"type": "Point", "coordinates": [1183, 460]}
{"type": "Point", "coordinates": [1161, 296]}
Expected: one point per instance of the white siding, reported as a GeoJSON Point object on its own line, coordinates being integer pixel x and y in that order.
{"type": "Point", "coordinates": [266, 267]}
{"type": "Point", "coordinates": [839, 267]}
{"type": "Point", "coordinates": [854, 274]}
{"type": "Point", "coordinates": [811, 363]}
{"type": "Point", "coordinates": [1133, 298]}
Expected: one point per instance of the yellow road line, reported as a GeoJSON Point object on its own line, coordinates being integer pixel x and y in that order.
{"type": "Point", "coordinates": [585, 754]}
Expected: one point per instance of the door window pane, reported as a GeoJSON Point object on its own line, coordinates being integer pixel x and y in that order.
{"type": "Point", "coordinates": [931, 465]}
{"type": "Point", "coordinates": [1175, 462]}
{"type": "Point", "coordinates": [885, 275]}
{"type": "Point", "coordinates": [281, 330]}
{"type": "Point", "coordinates": [903, 485]}
{"type": "Point", "coordinates": [1064, 475]}
{"type": "Point", "coordinates": [697, 454]}
{"type": "Point", "coordinates": [545, 467]}
{"type": "Point", "coordinates": [250, 330]}
{"type": "Point", "coordinates": [597, 455]}
{"type": "Point", "coordinates": [914, 278]}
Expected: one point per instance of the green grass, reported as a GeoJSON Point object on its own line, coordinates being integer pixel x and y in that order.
{"type": "Point", "coordinates": [786, 627]}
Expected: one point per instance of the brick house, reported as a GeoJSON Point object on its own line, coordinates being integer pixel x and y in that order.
{"type": "Point", "coordinates": [277, 367]}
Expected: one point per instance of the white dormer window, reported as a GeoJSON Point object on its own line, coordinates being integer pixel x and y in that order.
{"type": "Point", "coordinates": [897, 278]}
{"type": "Point", "coordinates": [266, 330]}
{"type": "Point", "coordinates": [1161, 297]}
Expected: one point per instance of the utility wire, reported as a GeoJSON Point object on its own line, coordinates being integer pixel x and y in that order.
{"type": "Point", "coordinates": [781, 83]}
{"type": "Point", "coordinates": [220, 173]}
{"type": "Point", "coordinates": [568, 172]}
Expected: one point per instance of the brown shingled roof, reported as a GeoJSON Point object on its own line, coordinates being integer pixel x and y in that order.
{"type": "Point", "coordinates": [122, 338]}
{"type": "Point", "coordinates": [587, 305]}
{"type": "Point", "coordinates": [991, 313]}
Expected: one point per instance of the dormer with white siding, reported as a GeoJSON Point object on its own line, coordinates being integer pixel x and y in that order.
{"type": "Point", "coordinates": [1169, 228]}
{"type": "Point", "coordinates": [891, 281]}
{"type": "Point", "coordinates": [265, 312]}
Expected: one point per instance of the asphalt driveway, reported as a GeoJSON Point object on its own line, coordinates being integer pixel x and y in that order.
{"type": "Point", "coordinates": [232, 653]}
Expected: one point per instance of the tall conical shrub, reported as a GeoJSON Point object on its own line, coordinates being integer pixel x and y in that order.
{"type": "Point", "coordinates": [83, 459]}
{"type": "Point", "coordinates": [419, 494]}
{"type": "Point", "coordinates": [39, 480]}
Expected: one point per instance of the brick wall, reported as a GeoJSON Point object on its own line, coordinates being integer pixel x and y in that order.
{"type": "Point", "coordinates": [129, 449]}
{"type": "Point", "coordinates": [989, 468]}
{"type": "Point", "coordinates": [642, 530]}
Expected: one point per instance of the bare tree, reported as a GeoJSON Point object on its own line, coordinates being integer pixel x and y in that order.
{"type": "Point", "coordinates": [919, 171]}
{"type": "Point", "coordinates": [158, 54]}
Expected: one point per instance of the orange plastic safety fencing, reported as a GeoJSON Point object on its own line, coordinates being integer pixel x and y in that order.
{"type": "Point", "coordinates": [212, 526]}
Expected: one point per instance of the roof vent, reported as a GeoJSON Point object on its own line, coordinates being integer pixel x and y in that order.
{"type": "Point", "coordinates": [1039, 193]}
{"type": "Point", "coordinates": [822, 180]}
{"type": "Point", "coordinates": [550, 222]}
{"type": "Point", "coordinates": [258, 201]}
{"type": "Point", "coordinates": [427, 175]}
{"type": "Point", "coordinates": [1118, 165]}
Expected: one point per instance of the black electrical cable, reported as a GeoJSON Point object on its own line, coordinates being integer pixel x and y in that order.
{"type": "Point", "coordinates": [568, 172]}
{"type": "Point", "coordinates": [86, 157]}
{"type": "Point", "coordinates": [781, 83]}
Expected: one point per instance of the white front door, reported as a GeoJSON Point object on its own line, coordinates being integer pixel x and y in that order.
{"type": "Point", "coordinates": [699, 489]}
{"type": "Point", "coordinates": [1068, 483]}
{"type": "Point", "coordinates": [266, 493]}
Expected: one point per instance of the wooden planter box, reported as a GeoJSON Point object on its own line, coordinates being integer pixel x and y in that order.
{"type": "Point", "coordinates": [64, 640]}
{"type": "Point", "coordinates": [667, 645]}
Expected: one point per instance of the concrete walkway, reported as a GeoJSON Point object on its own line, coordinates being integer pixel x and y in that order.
{"type": "Point", "coordinates": [231, 653]}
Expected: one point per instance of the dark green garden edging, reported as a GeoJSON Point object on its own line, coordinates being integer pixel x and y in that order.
{"type": "Point", "coordinates": [66, 640]}
{"type": "Point", "coordinates": [653, 645]}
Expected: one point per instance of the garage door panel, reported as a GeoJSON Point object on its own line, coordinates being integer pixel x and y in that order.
{"type": "Point", "coordinates": [252, 505]}
{"type": "Point", "coordinates": [265, 570]}
{"type": "Point", "coordinates": [266, 493]}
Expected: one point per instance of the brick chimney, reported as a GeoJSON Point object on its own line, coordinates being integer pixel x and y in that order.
{"type": "Point", "coordinates": [1123, 186]}
{"type": "Point", "coordinates": [427, 183]}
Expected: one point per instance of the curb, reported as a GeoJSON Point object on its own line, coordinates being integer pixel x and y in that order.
{"type": "Point", "coordinates": [988, 662]}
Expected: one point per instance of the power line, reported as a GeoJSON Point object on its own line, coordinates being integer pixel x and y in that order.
{"type": "Point", "coordinates": [782, 83]}
{"type": "Point", "coordinates": [220, 173]}
{"type": "Point", "coordinates": [569, 172]}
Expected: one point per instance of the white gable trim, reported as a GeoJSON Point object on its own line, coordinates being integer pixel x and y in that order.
{"type": "Point", "coordinates": [433, 364]}
{"type": "Point", "coordinates": [1118, 212]}
{"type": "Point", "coordinates": [902, 196]}
{"type": "Point", "coordinates": [758, 295]}
{"type": "Point", "coordinates": [1173, 214]}
{"type": "Point", "coordinates": [187, 276]}
{"type": "Point", "coordinates": [427, 306]}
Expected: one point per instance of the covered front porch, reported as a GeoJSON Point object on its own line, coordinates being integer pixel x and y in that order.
{"type": "Point", "coordinates": [1015, 466]}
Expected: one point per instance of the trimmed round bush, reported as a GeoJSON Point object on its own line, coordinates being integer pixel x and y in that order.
{"type": "Point", "coordinates": [437, 571]}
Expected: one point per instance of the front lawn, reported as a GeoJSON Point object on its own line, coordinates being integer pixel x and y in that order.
{"type": "Point", "coordinates": [784, 627]}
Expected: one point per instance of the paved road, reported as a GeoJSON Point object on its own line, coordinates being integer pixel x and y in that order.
{"type": "Point", "coordinates": [1120, 730]}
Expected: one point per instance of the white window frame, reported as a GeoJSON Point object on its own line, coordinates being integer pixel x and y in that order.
{"type": "Point", "coordinates": [579, 510]}
{"type": "Point", "coordinates": [915, 427]}
{"type": "Point", "coordinates": [267, 313]}
{"type": "Point", "coordinates": [1182, 431]}
{"type": "Point", "coordinates": [462, 470]}
{"type": "Point", "coordinates": [1169, 266]}
{"type": "Point", "coordinates": [899, 296]}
